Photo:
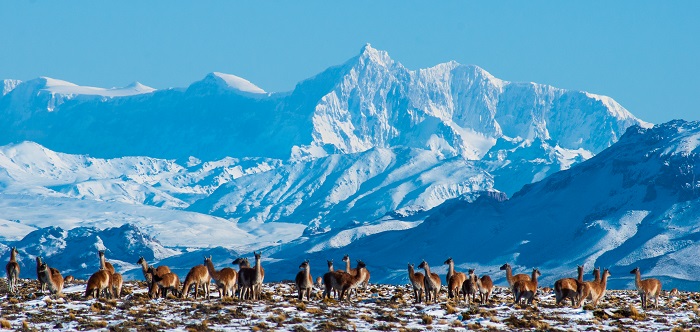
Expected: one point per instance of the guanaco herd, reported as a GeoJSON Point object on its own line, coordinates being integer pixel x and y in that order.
{"type": "Point", "coordinates": [247, 282]}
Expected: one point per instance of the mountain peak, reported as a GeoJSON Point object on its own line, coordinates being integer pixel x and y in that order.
{"type": "Point", "coordinates": [233, 82]}
{"type": "Point", "coordinates": [371, 54]}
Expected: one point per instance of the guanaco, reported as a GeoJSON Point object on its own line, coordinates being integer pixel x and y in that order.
{"type": "Point", "coordinates": [469, 287]}
{"type": "Point", "coordinates": [342, 282]}
{"type": "Point", "coordinates": [246, 274]}
{"type": "Point", "coordinates": [51, 278]}
{"type": "Point", "coordinates": [485, 286]}
{"type": "Point", "coordinates": [115, 285]}
{"type": "Point", "coordinates": [68, 279]}
{"type": "Point", "coordinates": [258, 277]}
{"type": "Point", "coordinates": [198, 276]}
{"type": "Point", "coordinates": [352, 271]}
{"type": "Point", "coordinates": [568, 288]}
{"type": "Point", "coordinates": [455, 280]}
{"type": "Point", "coordinates": [164, 283]}
{"type": "Point", "coordinates": [418, 282]}
{"type": "Point", "coordinates": [160, 271]}
{"type": "Point", "coordinates": [512, 279]}
{"type": "Point", "coordinates": [42, 283]}
{"type": "Point", "coordinates": [226, 278]}
{"type": "Point", "coordinates": [526, 289]}
{"type": "Point", "coordinates": [593, 290]}
{"type": "Point", "coordinates": [304, 281]}
{"type": "Point", "coordinates": [98, 284]}
{"type": "Point", "coordinates": [646, 288]}
{"type": "Point", "coordinates": [12, 270]}
{"type": "Point", "coordinates": [431, 283]}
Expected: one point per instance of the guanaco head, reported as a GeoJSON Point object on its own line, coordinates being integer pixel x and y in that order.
{"type": "Point", "coordinates": [14, 251]}
{"type": "Point", "coordinates": [141, 260]}
{"type": "Point", "coordinates": [361, 265]}
{"type": "Point", "coordinates": [101, 253]}
{"type": "Point", "coordinates": [207, 260]}
{"type": "Point", "coordinates": [346, 258]}
{"type": "Point", "coordinates": [43, 267]}
{"type": "Point", "coordinates": [410, 266]}
{"type": "Point", "coordinates": [241, 261]}
{"type": "Point", "coordinates": [330, 262]}
{"type": "Point", "coordinates": [304, 264]}
{"type": "Point", "coordinates": [449, 261]}
{"type": "Point", "coordinates": [505, 266]}
{"type": "Point", "coordinates": [470, 271]}
{"type": "Point", "coordinates": [257, 255]}
{"type": "Point", "coordinates": [635, 271]}
{"type": "Point", "coordinates": [536, 272]}
{"type": "Point", "coordinates": [606, 272]}
{"type": "Point", "coordinates": [596, 271]}
{"type": "Point", "coordinates": [423, 264]}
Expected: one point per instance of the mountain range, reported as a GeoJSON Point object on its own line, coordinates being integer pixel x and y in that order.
{"type": "Point", "coordinates": [363, 151]}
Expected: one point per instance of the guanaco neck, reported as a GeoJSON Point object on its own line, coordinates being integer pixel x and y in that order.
{"type": "Point", "coordinates": [637, 279]}
{"type": "Point", "coordinates": [330, 266]}
{"type": "Point", "coordinates": [358, 277]}
{"type": "Point", "coordinates": [580, 274]}
{"type": "Point", "coordinates": [210, 267]}
{"type": "Point", "coordinates": [451, 268]}
{"type": "Point", "coordinates": [307, 272]}
{"type": "Point", "coordinates": [411, 273]}
{"type": "Point", "coordinates": [347, 264]}
{"type": "Point", "coordinates": [509, 274]}
{"type": "Point", "coordinates": [258, 268]}
{"type": "Point", "coordinates": [604, 281]}
{"type": "Point", "coordinates": [144, 266]}
{"type": "Point", "coordinates": [38, 262]}
{"type": "Point", "coordinates": [13, 255]}
{"type": "Point", "coordinates": [102, 262]}
{"type": "Point", "coordinates": [534, 276]}
{"type": "Point", "coordinates": [427, 272]}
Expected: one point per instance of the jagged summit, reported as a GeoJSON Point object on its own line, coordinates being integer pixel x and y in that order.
{"type": "Point", "coordinates": [368, 53]}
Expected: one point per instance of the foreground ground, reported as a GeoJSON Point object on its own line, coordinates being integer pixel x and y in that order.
{"type": "Point", "coordinates": [381, 307]}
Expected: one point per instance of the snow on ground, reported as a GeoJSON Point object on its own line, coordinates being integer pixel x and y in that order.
{"type": "Point", "coordinates": [379, 308]}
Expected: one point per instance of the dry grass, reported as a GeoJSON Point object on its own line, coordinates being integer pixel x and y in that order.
{"type": "Point", "coordinates": [392, 308]}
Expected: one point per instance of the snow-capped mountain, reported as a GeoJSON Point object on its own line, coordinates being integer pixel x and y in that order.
{"type": "Point", "coordinates": [370, 101]}
{"type": "Point", "coordinates": [362, 149]}
{"type": "Point", "coordinates": [337, 191]}
{"type": "Point", "coordinates": [634, 204]}
{"type": "Point", "coordinates": [75, 251]}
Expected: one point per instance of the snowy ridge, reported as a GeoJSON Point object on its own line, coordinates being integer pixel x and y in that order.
{"type": "Point", "coordinates": [632, 205]}
{"type": "Point", "coordinates": [340, 190]}
{"type": "Point", "coordinates": [29, 167]}
{"type": "Point", "coordinates": [238, 83]}
{"type": "Point", "coordinates": [55, 86]}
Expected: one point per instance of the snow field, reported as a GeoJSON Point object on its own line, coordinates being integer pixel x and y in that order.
{"type": "Point", "coordinates": [379, 308]}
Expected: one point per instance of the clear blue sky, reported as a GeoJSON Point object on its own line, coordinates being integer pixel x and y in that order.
{"type": "Point", "coordinates": [644, 54]}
